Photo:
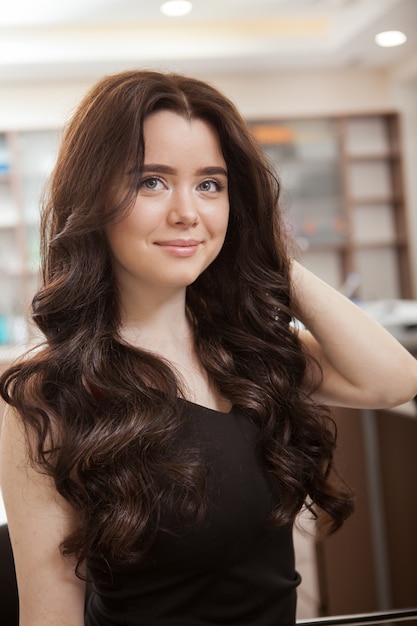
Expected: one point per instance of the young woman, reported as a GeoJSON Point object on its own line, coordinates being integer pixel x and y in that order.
{"type": "Point", "coordinates": [162, 440]}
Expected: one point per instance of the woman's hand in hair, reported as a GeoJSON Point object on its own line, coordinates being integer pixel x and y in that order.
{"type": "Point", "coordinates": [361, 363]}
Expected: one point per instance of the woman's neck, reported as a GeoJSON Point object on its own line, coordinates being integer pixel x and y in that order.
{"type": "Point", "coordinates": [157, 322]}
{"type": "Point", "coordinates": [162, 326]}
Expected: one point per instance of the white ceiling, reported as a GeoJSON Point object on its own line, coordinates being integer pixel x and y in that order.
{"type": "Point", "coordinates": [55, 39]}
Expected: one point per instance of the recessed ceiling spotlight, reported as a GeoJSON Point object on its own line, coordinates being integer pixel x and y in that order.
{"type": "Point", "coordinates": [390, 38]}
{"type": "Point", "coordinates": [176, 8]}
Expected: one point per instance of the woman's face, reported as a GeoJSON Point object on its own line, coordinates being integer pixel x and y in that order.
{"type": "Point", "coordinates": [179, 220]}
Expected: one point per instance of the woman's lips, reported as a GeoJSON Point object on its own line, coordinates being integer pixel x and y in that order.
{"type": "Point", "coordinates": [179, 247]}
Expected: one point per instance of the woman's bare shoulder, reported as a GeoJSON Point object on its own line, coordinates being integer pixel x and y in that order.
{"type": "Point", "coordinates": [39, 519]}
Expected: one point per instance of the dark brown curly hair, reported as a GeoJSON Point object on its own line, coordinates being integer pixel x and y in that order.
{"type": "Point", "coordinates": [104, 419]}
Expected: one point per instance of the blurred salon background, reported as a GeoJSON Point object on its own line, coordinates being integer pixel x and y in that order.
{"type": "Point", "coordinates": [329, 88]}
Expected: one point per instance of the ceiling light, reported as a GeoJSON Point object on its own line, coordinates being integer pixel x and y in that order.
{"type": "Point", "coordinates": [390, 38]}
{"type": "Point", "coordinates": [176, 8]}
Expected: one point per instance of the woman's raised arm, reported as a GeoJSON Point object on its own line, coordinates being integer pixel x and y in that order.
{"type": "Point", "coordinates": [50, 594]}
{"type": "Point", "coordinates": [362, 364]}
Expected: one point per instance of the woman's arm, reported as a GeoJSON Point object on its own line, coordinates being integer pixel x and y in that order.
{"type": "Point", "coordinates": [362, 364]}
{"type": "Point", "coordinates": [49, 592]}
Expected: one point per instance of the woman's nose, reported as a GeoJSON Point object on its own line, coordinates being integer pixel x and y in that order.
{"type": "Point", "coordinates": [183, 209]}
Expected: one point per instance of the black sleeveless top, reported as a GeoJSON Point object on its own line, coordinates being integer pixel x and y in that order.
{"type": "Point", "coordinates": [233, 570]}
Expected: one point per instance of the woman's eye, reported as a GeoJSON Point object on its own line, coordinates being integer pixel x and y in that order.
{"type": "Point", "coordinates": [210, 185]}
{"type": "Point", "coordinates": [152, 183]}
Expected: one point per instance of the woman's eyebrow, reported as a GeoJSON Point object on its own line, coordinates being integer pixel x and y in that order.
{"type": "Point", "coordinates": [212, 170]}
{"type": "Point", "coordinates": [156, 167]}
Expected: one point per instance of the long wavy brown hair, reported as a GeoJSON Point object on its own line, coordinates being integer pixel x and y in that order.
{"type": "Point", "coordinates": [105, 419]}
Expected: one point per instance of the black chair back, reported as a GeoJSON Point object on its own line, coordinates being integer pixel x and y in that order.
{"type": "Point", "coordinates": [9, 602]}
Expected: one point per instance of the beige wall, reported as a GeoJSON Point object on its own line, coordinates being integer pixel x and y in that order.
{"type": "Point", "coordinates": [41, 105]}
